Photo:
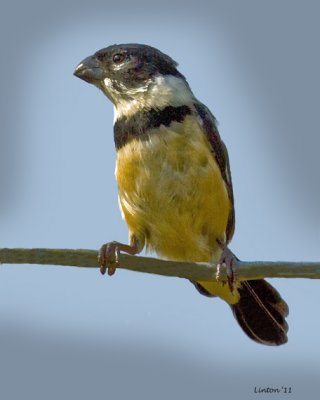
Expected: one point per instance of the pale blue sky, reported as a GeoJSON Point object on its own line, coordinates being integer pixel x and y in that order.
{"type": "Point", "coordinates": [68, 333]}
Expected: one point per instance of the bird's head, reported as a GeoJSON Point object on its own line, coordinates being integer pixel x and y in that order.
{"type": "Point", "coordinates": [134, 75]}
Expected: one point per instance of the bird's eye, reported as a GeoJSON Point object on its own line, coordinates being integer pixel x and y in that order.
{"type": "Point", "coordinates": [118, 58]}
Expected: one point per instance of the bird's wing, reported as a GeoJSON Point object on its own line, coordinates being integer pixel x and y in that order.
{"type": "Point", "coordinates": [220, 153]}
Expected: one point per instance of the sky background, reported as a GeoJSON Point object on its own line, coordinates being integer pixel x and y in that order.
{"type": "Point", "coordinates": [71, 333]}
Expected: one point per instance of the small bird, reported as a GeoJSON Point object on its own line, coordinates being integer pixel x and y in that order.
{"type": "Point", "coordinates": [174, 180]}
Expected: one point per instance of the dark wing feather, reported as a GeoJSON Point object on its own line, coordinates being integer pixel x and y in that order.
{"type": "Point", "coordinates": [261, 313]}
{"type": "Point", "coordinates": [221, 154]}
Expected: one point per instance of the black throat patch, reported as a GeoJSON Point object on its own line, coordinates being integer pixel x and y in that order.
{"type": "Point", "coordinates": [138, 126]}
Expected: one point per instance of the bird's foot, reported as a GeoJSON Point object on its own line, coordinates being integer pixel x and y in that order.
{"type": "Point", "coordinates": [227, 261]}
{"type": "Point", "coordinates": [108, 256]}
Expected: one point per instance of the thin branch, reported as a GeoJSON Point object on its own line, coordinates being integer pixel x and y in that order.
{"type": "Point", "coordinates": [188, 270]}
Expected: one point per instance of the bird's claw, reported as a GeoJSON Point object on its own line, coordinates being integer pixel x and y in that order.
{"type": "Point", "coordinates": [108, 258]}
{"type": "Point", "coordinates": [109, 253]}
{"type": "Point", "coordinates": [227, 261]}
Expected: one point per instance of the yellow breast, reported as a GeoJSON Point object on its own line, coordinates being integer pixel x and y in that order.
{"type": "Point", "coordinates": [172, 194]}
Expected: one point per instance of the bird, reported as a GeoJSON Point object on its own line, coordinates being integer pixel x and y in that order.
{"type": "Point", "coordinates": [174, 181]}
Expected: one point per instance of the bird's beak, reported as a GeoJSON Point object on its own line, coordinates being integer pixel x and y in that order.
{"type": "Point", "coordinates": [90, 70]}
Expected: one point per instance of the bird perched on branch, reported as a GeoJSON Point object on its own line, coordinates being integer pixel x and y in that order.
{"type": "Point", "coordinates": [174, 181]}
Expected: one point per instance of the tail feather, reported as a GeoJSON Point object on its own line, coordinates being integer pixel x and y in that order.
{"type": "Point", "coordinates": [261, 313]}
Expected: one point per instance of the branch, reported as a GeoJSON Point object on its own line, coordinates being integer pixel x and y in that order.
{"type": "Point", "coordinates": [188, 270]}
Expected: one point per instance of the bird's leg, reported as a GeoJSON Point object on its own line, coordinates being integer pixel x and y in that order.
{"type": "Point", "coordinates": [108, 256]}
{"type": "Point", "coordinates": [227, 260]}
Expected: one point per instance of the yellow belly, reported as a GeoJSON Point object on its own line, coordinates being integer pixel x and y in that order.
{"type": "Point", "coordinates": [172, 194]}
